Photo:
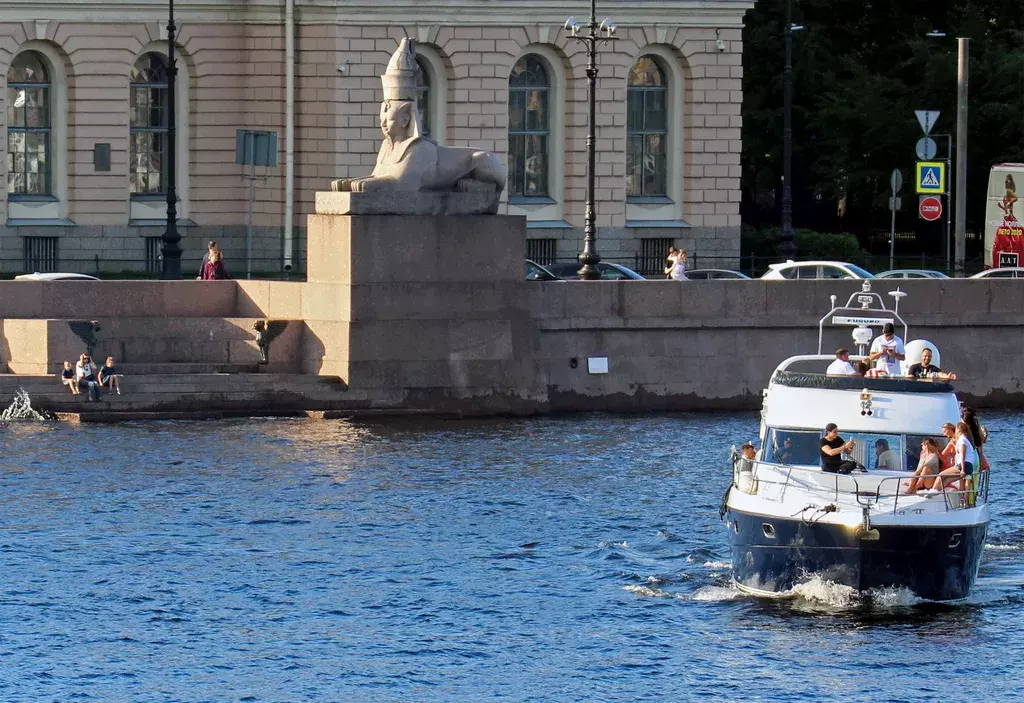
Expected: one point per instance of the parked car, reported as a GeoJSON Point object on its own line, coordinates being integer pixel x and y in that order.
{"type": "Point", "coordinates": [801, 270]}
{"type": "Point", "coordinates": [1001, 272]}
{"type": "Point", "coordinates": [536, 272]}
{"type": "Point", "coordinates": [718, 274]}
{"type": "Point", "coordinates": [911, 273]}
{"type": "Point", "coordinates": [609, 272]}
{"type": "Point", "coordinates": [55, 277]}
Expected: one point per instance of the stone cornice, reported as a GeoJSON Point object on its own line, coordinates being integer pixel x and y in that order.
{"type": "Point", "coordinates": [694, 13]}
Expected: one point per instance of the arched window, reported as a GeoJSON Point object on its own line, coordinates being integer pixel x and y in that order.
{"type": "Point", "coordinates": [148, 126]}
{"type": "Point", "coordinates": [528, 128]}
{"type": "Point", "coordinates": [28, 125]}
{"type": "Point", "coordinates": [423, 95]}
{"type": "Point", "coordinates": [646, 129]}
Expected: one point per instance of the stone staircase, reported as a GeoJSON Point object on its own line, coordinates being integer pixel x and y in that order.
{"type": "Point", "coordinates": [197, 394]}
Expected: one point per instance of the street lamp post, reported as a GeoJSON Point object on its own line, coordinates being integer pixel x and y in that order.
{"type": "Point", "coordinates": [961, 154]}
{"type": "Point", "coordinates": [787, 246]}
{"type": "Point", "coordinates": [171, 250]}
{"type": "Point", "coordinates": [596, 32]}
{"type": "Point", "coordinates": [960, 191]}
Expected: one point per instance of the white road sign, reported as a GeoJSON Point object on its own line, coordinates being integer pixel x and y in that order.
{"type": "Point", "coordinates": [927, 119]}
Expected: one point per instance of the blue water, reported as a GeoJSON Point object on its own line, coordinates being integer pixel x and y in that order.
{"type": "Point", "coordinates": [566, 559]}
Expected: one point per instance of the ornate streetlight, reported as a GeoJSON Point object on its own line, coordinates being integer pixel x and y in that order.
{"type": "Point", "coordinates": [171, 250]}
{"type": "Point", "coordinates": [595, 32]}
{"type": "Point", "coordinates": [787, 247]}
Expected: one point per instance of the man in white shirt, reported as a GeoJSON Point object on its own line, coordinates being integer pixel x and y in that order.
{"type": "Point", "coordinates": [887, 351]}
{"type": "Point", "coordinates": [841, 366]}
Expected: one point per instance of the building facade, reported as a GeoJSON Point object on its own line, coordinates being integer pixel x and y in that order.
{"type": "Point", "coordinates": [85, 118]}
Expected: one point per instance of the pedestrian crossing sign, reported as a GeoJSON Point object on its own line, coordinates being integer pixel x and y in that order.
{"type": "Point", "coordinates": [931, 177]}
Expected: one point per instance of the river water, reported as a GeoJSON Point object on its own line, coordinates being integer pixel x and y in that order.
{"type": "Point", "coordinates": [556, 559]}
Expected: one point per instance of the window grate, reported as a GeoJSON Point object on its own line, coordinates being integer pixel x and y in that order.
{"type": "Point", "coordinates": [40, 254]}
{"type": "Point", "coordinates": [542, 251]}
{"type": "Point", "coordinates": [652, 255]}
{"type": "Point", "coordinates": [153, 254]}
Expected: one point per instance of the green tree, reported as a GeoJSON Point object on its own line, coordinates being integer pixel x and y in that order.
{"type": "Point", "coordinates": [860, 71]}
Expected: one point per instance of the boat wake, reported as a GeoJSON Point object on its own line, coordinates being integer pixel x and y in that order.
{"type": "Point", "coordinates": [816, 592]}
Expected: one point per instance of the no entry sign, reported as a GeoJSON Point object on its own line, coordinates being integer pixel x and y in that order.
{"type": "Point", "coordinates": [930, 208]}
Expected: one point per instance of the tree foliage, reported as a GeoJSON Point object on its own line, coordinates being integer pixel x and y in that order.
{"type": "Point", "coordinates": [860, 71]}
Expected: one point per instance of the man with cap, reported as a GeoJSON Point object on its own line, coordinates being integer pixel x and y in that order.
{"type": "Point", "coordinates": [832, 448]}
{"type": "Point", "coordinates": [841, 366]}
{"type": "Point", "coordinates": [887, 351]}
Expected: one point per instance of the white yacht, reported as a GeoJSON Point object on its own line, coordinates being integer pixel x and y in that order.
{"type": "Point", "coordinates": [789, 520]}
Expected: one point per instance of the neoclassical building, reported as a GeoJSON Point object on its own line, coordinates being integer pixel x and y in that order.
{"type": "Point", "coordinates": [84, 91]}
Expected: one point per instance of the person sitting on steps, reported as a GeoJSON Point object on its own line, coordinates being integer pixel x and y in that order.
{"type": "Point", "coordinates": [108, 376]}
{"type": "Point", "coordinates": [68, 378]}
{"type": "Point", "coordinates": [85, 372]}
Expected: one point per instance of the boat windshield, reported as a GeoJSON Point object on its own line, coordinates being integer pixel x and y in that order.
{"type": "Point", "coordinates": [873, 450]}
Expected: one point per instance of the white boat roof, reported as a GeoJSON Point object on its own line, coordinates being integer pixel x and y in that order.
{"type": "Point", "coordinates": [900, 410]}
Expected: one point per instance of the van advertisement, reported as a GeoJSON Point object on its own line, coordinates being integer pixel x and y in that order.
{"type": "Point", "coordinates": [1004, 231]}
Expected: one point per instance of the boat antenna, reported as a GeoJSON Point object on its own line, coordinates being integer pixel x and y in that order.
{"type": "Point", "coordinates": [898, 295]}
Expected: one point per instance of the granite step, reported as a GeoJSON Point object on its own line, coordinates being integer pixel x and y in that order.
{"type": "Point", "coordinates": [240, 393]}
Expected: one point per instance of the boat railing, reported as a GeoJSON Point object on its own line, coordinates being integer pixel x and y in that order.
{"type": "Point", "coordinates": [970, 495]}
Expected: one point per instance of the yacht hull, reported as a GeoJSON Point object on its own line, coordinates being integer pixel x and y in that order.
{"type": "Point", "coordinates": [935, 562]}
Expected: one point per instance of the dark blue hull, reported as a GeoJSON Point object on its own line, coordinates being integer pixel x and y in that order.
{"type": "Point", "coordinates": [937, 563]}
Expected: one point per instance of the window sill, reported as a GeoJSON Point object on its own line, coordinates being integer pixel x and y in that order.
{"type": "Point", "coordinates": [547, 224]}
{"type": "Point", "coordinates": [526, 200]}
{"type": "Point", "coordinates": [654, 224]}
{"type": "Point", "coordinates": [649, 200]}
{"type": "Point", "coordinates": [13, 198]}
{"type": "Point", "coordinates": [42, 222]}
{"type": "Point", "coordinates": [159, 223]}
{"type": "Point", "coordinates": [151, 198]}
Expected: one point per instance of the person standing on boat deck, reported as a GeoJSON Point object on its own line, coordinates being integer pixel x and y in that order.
{"type": "Point", "coordinates": [832, 448]}
{"type": "Point", "coordinates": [887, 351]}
{"type": "Point", "coordinates": [979, 435]}
{"type": "Point", "coordinates": [841, 366]}
{"type": "Point", "coordinates": [884, 458]}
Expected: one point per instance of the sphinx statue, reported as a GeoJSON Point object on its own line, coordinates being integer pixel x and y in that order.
{"type": "Point", "coordinates": [409, 162]}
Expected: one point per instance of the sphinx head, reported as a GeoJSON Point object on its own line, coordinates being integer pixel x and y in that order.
{"type": "Point", "coordinates": [399, 120]}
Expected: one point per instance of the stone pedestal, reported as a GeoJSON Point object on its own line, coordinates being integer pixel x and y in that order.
{"type": "Point", "coordinates": [423, 312]}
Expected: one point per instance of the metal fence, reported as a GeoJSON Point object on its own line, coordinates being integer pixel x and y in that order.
{"type": "Point", "coordinates": [40, 254]}
{"type": "Point", "coordinates": [755, 266]}
{"type": "Point", "coordinates": [43, 257]}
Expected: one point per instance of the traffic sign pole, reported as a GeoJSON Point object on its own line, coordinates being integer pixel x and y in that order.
{"type": "Point", "coordinates": [896, 182]}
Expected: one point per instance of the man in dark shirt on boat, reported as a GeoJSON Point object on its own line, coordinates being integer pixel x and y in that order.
{"type": "Point", "coordinates": [926, 371]}
{"type": "Point", "coordinates": [832, 448]}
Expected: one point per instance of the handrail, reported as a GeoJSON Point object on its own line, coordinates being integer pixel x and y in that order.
{"type": "Point", "coordinates": [865, 296]}
{"type": "Point", "coordinates": [968, 497]}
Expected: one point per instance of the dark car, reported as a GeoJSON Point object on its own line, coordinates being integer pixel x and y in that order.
{"type": "Point", "coordinates": [609, 272]}
{"type": "Point", "coordinates": [536, 272]}
{"type": "Point", "coordinates": [717, 274]}
{"type": "Point", "coordinates": [911, 273]}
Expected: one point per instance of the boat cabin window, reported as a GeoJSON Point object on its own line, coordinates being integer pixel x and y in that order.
{"type": "Point", "coordinates": [872, 450]}
{"type": "Point", "coordinates": [877, 451]}
{"type": "Point", "coordinates": [913, 453]}
{"type": "Point", "coordinates": [793, 447]}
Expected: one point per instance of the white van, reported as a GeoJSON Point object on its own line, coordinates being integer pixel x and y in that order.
{"type": "Point", "coordinates": [1004, 219]}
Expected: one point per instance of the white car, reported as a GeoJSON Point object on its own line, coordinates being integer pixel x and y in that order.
{"type": "Point", "coordinates": [807, 270]}
{"type": "Point", "coordinates": [1001, 272]}
{"type": "Point", "coordinates": [55, 277]}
